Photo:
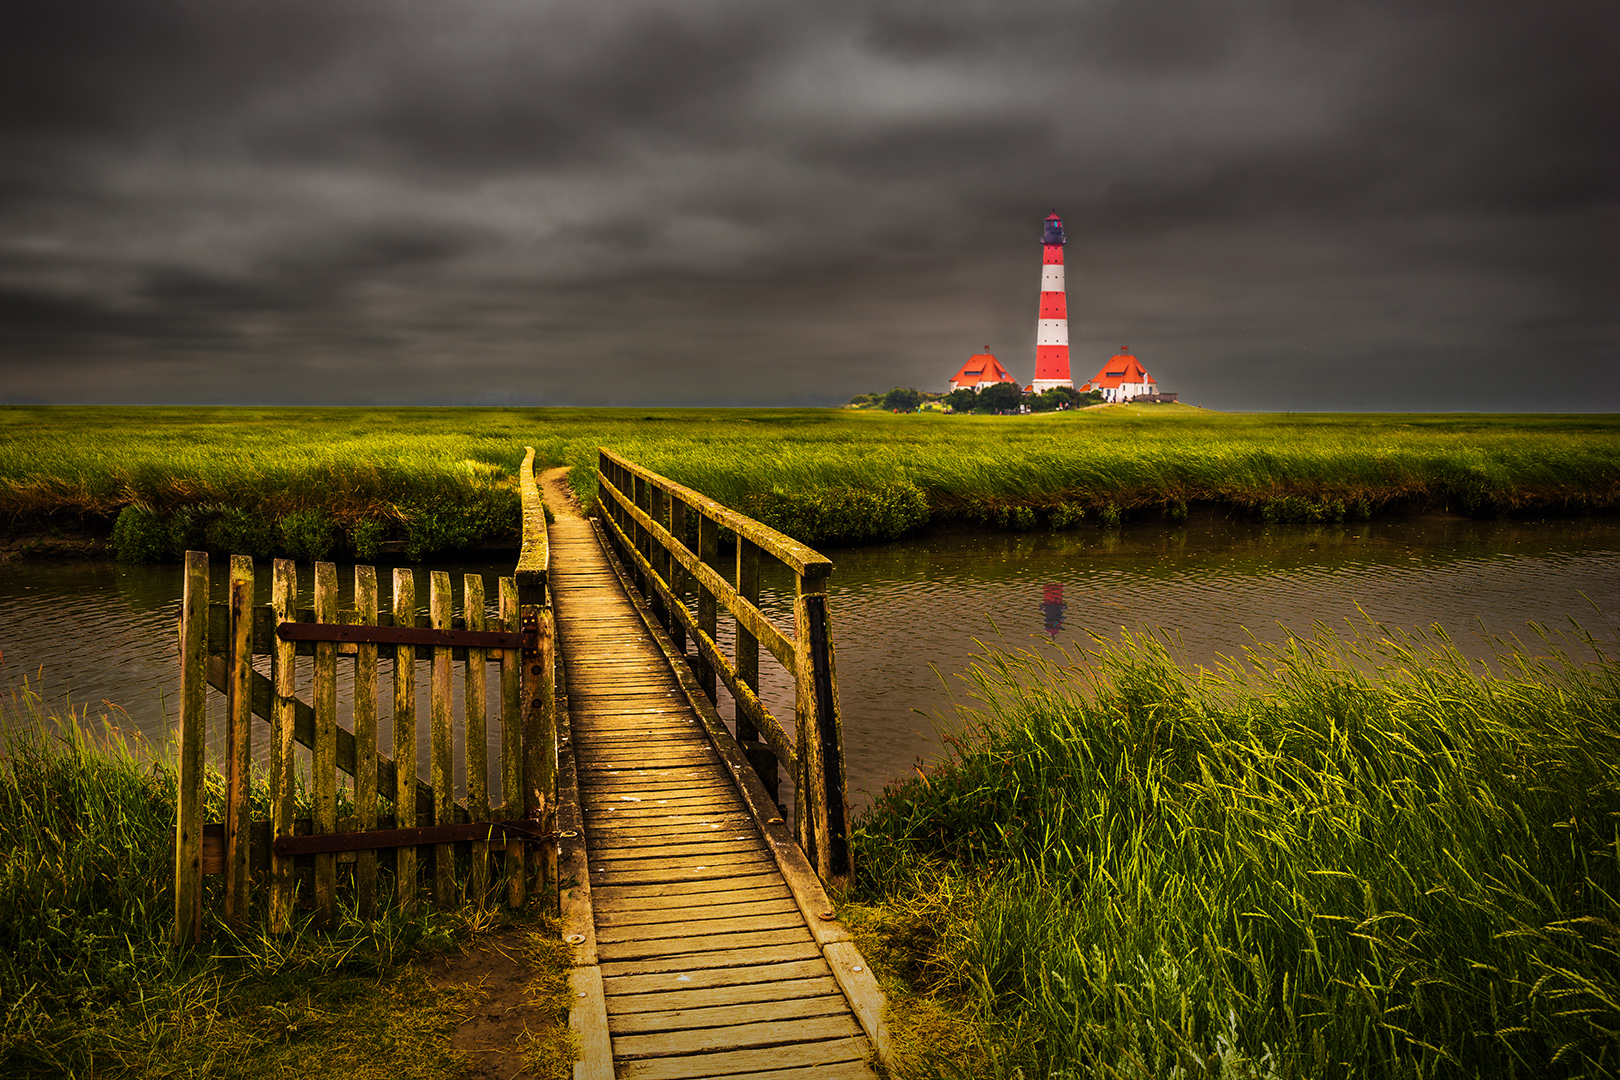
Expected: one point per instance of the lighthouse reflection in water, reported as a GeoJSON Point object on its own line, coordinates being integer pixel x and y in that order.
{"type": "Point", "coordinates": [1052, 608]}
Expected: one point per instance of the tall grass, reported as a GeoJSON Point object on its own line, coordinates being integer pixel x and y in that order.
{"type": "Point", "coordinates": [90, 987]}
{"type": "Point", "coordinates": [1337, 857]}
{"type": "Point", "coordinates": [443, 477]}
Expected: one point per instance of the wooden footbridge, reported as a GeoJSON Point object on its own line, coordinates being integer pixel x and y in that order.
{"type": "Point", "coordinates": [704, 938]}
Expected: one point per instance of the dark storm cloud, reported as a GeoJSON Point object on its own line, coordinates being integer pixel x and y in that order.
{"type": "Point", "coordinates": [1276, 204]}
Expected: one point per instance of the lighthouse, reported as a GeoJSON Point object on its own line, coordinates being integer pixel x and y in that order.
{"type": "Point", "coordinates": [1052, 331]}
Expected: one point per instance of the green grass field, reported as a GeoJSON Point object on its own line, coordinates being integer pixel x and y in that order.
{"type": "Point", "coordinates": [1339, 858]}
{"type": "Point", "coordinates": [442, 478]}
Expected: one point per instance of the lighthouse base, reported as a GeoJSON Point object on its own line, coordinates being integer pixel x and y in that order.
{"type": "Point", "coordinates": [1041, 386]}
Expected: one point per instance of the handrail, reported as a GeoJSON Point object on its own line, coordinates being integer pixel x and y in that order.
{"type": "Point", "coordinates": [535, 558]}
{"type": "Point", "coordinates": [645, 515]}
{"type": "Point", "coordinates": [798, 557]}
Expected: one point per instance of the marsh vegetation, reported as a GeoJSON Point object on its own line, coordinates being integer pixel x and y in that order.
{"type": "Point", "coordinates": [1341, 856]}
{"type": "Point", "coordinates": [90, 987]}
{"type": "Point", "coordinates": [345, 481]}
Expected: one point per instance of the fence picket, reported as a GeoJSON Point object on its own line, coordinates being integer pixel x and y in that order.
{"type": "Point", "coordinates": [512, 742]}
{"type": "Point", "coordinates": [239, 741]}
{"type": "Point", "coordinates": [365, 739]}
{"type": "Point", "coordinates": [323, 759]}
{"type": "Point", "coordinates": [476, 728]}
{"type": "Point", "coordinates": [193, 733]}
{"type": "Point", "coordinates": [441, 758]}
{"type": "Point", "coordinates": [283, 592]}
{"type": "Point", "coordinates": [405, 735]}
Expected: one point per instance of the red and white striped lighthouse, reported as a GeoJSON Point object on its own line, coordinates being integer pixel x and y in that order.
{"type": "Point", "coordinates": [1052, 332]}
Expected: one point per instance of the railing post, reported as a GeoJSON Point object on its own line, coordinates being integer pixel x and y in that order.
{"type": "Point", "coordinates": [708, 612]}
{"type": "Point", "coordinates": [193, 734]}
{"type": "Point", "coordinates": [808, 817]}
{"type": "Point", "coordinates": [821, 810]}
{"type": "Point", "coordinates": [832, 811]}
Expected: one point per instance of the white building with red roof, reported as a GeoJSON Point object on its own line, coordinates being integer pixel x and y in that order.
{"type": "Point", "coordinates": [980, 371]}
{"type": "Point", "coordinates": [1122, 378]}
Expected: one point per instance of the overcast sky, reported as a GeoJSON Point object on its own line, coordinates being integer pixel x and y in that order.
{"type": "Point", "coordinates": [1278, 204]}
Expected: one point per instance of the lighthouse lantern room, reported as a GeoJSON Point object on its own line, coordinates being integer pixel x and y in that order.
{"type": "Point", "coordinates": [1052, 330]}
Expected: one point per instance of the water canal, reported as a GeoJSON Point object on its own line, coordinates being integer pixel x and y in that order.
{"type": "Point", "coordinates": [908, 617]}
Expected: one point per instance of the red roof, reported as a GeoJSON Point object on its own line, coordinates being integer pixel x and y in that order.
{"type": "Point", "coordinates": [979, 370]}
{"type": "Point", "coordinates": [1119, 370]}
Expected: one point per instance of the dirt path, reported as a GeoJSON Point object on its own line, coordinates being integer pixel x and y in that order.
{"type": "Point", "coordinates": [493, 1036]}
{"type": "Point", "coordinates": [558, 495]}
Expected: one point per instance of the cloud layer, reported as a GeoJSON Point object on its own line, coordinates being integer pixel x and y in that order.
{"type": "Point", "coordinates": [1277, 205]}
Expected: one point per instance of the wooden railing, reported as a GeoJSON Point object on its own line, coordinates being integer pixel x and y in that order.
{"type": "Point", "coordinates": [217, 646]}
{"type": "Point", "coordinates": [647, 516]}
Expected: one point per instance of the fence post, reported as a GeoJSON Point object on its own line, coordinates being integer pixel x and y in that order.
{"type": "Point", "coordinates": [543, 780]}
{"type": "Point", "coordinates": [539, 676]}
{"type": "Point", "coordinates": [193, 733]}
{"type": "Point", "coordinates": [239, 742]}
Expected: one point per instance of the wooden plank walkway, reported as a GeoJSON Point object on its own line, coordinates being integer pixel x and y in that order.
{"type": "Point", "coordinates": [708, 964]}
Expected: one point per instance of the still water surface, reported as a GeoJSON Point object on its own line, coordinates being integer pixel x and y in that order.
{"type": "Point", "coordinates": [908, 617]}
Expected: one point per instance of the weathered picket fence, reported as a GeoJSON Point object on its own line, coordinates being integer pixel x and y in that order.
{"type": "Point", "coordinates": [511, 842]}
{"type": "Point", "coordinates": [646, 516]}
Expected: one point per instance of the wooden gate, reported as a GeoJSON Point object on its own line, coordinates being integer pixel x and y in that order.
{"type": "Point", "coordinates": [509, 844]}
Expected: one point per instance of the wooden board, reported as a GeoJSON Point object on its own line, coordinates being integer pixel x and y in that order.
{"type": "Point", "coordinates": [627, 1005]}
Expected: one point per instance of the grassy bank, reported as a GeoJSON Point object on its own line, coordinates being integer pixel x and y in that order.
{"type": "Point", "coordinates": [344, 481]}
{"type": "Point", "coordinates": [88, 986]}
{"type": "Point", "coordinates": [1337, 859]}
